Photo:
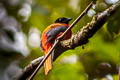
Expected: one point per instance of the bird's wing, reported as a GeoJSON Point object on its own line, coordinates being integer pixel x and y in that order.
{"type": "Point", "coordinates": [52, 33]}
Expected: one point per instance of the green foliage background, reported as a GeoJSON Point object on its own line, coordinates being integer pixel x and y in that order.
{"type": "Point", "coordinates": [102, 50]}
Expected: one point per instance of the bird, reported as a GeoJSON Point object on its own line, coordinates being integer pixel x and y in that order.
{"type": "Point", "coordinates": [50, 35]}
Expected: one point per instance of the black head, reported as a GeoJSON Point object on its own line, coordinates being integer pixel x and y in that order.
{"type": "Point", "coordinates": [63, 20]}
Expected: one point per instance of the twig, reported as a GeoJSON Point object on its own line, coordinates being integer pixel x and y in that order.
{"type": "Point", "coordinates": [56, 43]}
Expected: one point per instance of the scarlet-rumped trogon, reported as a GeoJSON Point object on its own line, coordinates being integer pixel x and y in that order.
{"type": "Point", "coordinates": [50, 34]}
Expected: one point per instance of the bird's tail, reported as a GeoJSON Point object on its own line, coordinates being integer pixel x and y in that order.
{"type": "Point", "coordinates": [48, 63]}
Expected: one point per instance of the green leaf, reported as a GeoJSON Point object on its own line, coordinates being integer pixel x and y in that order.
{"type": "Point", "coordinates": [113, 25]}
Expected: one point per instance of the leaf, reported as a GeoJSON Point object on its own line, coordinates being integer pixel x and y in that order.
{"type": "Point", "coordinates": [113, 25]}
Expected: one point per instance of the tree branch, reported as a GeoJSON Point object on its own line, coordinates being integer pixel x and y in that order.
{"type": "Point", "coordinates": [91, 28]}
{"type": "Point", "coordinates": [28, 70]}
{"type": "Point", "coordinates": [79, 39]}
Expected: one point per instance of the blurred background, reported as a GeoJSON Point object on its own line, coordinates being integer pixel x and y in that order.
{"type": "Point", "coordinates": [22, 23]}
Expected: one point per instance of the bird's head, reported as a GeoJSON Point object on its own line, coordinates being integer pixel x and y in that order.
{"type": "Point", "coordinates": [63, 20]}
